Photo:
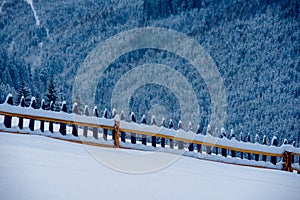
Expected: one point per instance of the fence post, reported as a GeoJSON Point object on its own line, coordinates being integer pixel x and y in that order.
{"type": "Point", "coordinates": [199, 146]}
{"type": "Point", "coordinates": [249, 140]}
{"type": "Point", "coordinates": [153, 138]}
{"type": "Point", "coordinates": [95, 130]}
{"type": "Point", "coordinates": [223, 135]}
{"type": "Point", "coordinates": [180, 143]}
{"type": "Point", "coordinates": [21, 120]}
{"type": "Point", "coordinates": [144, 138]}
{"type": "Point", "coordinates": [114, 113]}
{"type": "Point", "coordinates": [43, 107]}
{"type": "Point", "coordinates": [293, 156]}
{"type": "Point", "coordinates": [75, 127]}
{"type": "Point", "coordinates": [51, 123]}
{"type": "Point", "coordinates": [33, 106]}
{"type": "Point", "coordinates": [163, 140]}
{"type": "Point", "coordinates": [171, 125]}
{"type": "Point", "coordinates": [123, 134]}
{"type": "Point", "coordinates": [85, 128]}
{"type": "Point", "coordinates": [191, 145]}
{"type": "Point", "coordinates": [8, 119]}
{"type": "Point", "coordinates": [63, 127]}
{"type": "Point", "coordinates": [256, 156]}
{"type": "Point", "coordinates": [274, 143]}
{"type": "Point", "coordinates": [241, 140]}
{"type": "Point", "coordinates": [133, 135]}
{"type": "Point", "coordinates": [264, 142]}
{"type": "Point", "coordinates": [232, 135]}
{"type": "Point", "coordinates": [105, 115]}
{"type": "Point", "coordinates": [116, 131]}
{"type": "Point", "coordinates": [287, 159]}
{"type": "Point", "coordinates": [208, 132]}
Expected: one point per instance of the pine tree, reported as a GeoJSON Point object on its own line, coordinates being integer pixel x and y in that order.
{"type": "Point", "coordinates": [24, 91]}
{"type": "Point", "coordinates": [52, 95]}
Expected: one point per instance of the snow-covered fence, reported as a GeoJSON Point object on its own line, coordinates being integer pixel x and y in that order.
{"type": "Point", "coordinates": [152, 136]}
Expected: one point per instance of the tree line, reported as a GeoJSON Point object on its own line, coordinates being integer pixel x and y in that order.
{"type": "Point", "coordinates": [52, 95]}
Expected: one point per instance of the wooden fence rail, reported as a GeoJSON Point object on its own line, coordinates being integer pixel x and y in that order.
{"type": "Point", "coordinates": [282, 157]}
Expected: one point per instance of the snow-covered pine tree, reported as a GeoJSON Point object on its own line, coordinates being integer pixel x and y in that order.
{"type": "Point", "coordinates": [24, 91]}
{"type": "Point", "coordinates": [52, 95]}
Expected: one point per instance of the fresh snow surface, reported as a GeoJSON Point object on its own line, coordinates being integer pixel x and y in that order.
{"type": "Point", "coordinates": [35, 167]}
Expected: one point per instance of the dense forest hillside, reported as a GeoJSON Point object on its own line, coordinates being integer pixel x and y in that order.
{"type": "Point", "coordinates": [254, 44]}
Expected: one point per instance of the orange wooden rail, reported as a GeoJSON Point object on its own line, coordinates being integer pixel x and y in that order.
{"type": "Point", "coordinates": [287, 156]}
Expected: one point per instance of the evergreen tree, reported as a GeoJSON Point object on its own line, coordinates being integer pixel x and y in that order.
{"type": "Point", "coordinates": [52, 95]}
{"type": "Point", "coordinates": [24, 91]}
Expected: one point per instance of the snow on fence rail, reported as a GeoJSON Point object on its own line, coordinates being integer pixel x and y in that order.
{"type": "Point", "coordinates": [213, 148]}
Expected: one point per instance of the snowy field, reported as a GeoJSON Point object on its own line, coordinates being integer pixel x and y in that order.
{"type": "Point", "coordinates": [37, 167]}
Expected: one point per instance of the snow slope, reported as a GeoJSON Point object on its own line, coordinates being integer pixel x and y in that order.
{"type": "Point", "coordinates": [35, 167]}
